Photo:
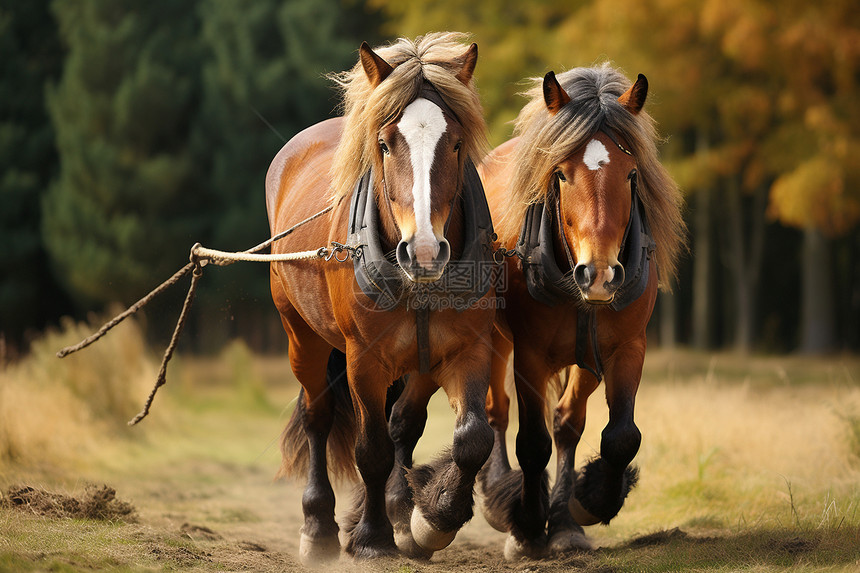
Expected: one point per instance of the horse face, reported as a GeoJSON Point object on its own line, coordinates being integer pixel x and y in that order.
{"type": "Point", "coordinates": [421, 164]}
{"type": "Point", "coordinates": [594, 202]}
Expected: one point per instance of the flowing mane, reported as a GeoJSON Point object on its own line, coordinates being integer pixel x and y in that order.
{"type": "Point", "coordinates": [435, 57]}
{"type": "Point", "coordinates": [545, 141]}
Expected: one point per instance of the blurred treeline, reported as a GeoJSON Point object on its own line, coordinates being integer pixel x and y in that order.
{"type": "Point", "coordinates": [131, 130]}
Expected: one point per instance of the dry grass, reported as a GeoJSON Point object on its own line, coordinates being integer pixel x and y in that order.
{"type": "Point", "coordinates": [58, 412]}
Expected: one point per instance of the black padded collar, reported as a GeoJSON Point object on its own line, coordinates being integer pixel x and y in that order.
{"type": "Point", "coordinates": [464, 282]}
{"type": "Point", "coordinates": [549, 285]}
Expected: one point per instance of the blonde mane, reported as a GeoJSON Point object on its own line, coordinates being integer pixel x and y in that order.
{"type": "Point", "coordinates": [546, 141]}
{"type": "Point", "coordinates": [435, 57]}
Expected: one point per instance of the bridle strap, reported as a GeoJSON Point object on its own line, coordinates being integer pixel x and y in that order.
{"type": "Point", "coordinates": [614, 140]}
{"type": "Point", "coordinates": [564, 242]}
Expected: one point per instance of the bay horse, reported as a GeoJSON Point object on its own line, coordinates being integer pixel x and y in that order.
{"type": "Point", "coordinates": [398, 171]}
{"type": "Point", "coordinates": [580, 195]}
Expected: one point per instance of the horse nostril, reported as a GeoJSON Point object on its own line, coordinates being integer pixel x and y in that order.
{"type": "Point", "coordinates": [583, 275]}
{"type": "Point", "coordinates": [444, 253]}
{"type": "Point", "coordinates": [404, 257]}
{"type": "Point", "coordinates": [617, 278]}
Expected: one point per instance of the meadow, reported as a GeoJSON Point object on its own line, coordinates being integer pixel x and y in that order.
{"type": "Point", "coordinates": [748, 463]}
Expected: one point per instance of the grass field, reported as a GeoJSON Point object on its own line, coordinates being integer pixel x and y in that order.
{"type": "Point", "coordinates": [748, 464]}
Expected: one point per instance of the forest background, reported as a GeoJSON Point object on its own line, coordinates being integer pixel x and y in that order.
{"type": "Point", "coordinates": [131, 130]}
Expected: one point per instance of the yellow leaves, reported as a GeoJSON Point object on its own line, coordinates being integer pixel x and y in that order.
{"type": "Point", "coordinates": [815, 194]}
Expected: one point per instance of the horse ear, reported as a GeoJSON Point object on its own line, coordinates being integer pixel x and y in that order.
{"type": "Point", "coordinates": [470, 59]}
{"type": "Point", "coordinates": [375, 67]}
{"type": "Point", "coordinates": [634, 98]}
{"type": "Point", "coordinates": [553, 94]}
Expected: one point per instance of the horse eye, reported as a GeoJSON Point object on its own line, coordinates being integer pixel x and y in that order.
{"type": "Point", "coordinates": [560, 176]}
{"type": "Point", "coordinates": [383, 147]}
{"type": "Point", "coordinates": [458, 145]}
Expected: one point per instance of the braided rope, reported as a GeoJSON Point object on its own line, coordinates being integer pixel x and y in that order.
{"type": "Point", "coordinates": [224, 258]}
{"type": "Point", "coordinates": [200, 256]}
{"type": "Point", "coordinates": [168, 353]}
{"type": "Point", "coordinates": [130, 311]}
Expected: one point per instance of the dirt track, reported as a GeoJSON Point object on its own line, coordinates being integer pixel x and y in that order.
{"type": "Point", "coordinates": [205, 532]}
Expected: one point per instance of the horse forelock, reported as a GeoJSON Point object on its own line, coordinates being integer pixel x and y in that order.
{"type": "Point", "coordinates": [546, 141]}
{"type": "Point", "coordinates": [435, 58]}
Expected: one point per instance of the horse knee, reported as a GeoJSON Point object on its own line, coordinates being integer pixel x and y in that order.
{"type": "Point", "coordinates": [619, 443]}
{"type": "Point", "coordinates": [534, 450]}
{"type": "Point", "coordinates": [374, 456]}
{"type": "Point", "coordinates": [473, 442]}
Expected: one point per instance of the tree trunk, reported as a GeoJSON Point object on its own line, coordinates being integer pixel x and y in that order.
{"type": "Point", "coordinates": [703, 316]}
{"type": "Point", "coordinates": [668, 320]}
{"type": "Point", "coordinates": [746, 251]}
{"type": "Point", "coordinates": [817, 312]}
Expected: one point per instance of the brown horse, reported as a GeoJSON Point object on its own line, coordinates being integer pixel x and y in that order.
{"type": "Point", "coordinates": [411, 134]}
{"type": "Point", "coordinates": [581, 196]}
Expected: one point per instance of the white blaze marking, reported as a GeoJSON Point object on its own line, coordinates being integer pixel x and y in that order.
{"type": "Point", "coordinates": [422, 125]}
{"type": "Point", "coordinates": [595, 155]}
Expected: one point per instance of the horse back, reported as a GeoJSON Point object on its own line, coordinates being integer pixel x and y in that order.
{"type": "Point", "coordinates": [298, 181]}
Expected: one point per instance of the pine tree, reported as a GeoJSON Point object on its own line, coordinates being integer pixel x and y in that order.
{"type": "Point", "coordinates": [127, 201]}
{"type": "Point", "coordinates": [29, 296]}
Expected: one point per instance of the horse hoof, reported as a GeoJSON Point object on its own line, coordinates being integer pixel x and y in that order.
{"type": "Point", "coordinates": [516, 549]}
{"type": "Point", "coordinates": [427, 536]}
{"type": "Point", "coordinates": [580, 514]}
{"type": "Point", "coordinates": [407, 545]}
{"type": "Point", "coordinates": [569, 541]}
{"type": "Point", "coordinates": [318, 550]}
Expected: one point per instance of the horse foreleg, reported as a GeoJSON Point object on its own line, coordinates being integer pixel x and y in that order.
{"type": "Point", "coordinates": [529, 506]}
{"type": "Point", "coordinates": [564, 533]}
{"type": "Point", "coordinates": [498, 468]}
{"type": "Point", "coordinates": [369, 531]}
{"type": "Point", "coordinates": [442, 490]}
{"type": "Point", "coordinates": [406, 425]}
{"type": "Point", "coordinates": [603, 484]}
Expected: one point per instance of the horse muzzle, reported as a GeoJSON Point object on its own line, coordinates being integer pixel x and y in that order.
{"type": "Point", "coordinates": [425, 269]}
{"type": "Point", "coordinates": [598, 285]}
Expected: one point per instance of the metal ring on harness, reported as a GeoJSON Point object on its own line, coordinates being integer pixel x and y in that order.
{"type": "Point", "coordinates": [501, 253]}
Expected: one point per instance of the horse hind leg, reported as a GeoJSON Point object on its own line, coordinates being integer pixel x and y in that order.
{"type": "Point", "coordinates": [304, 447]}
{"type": "Point", "coordinates": [443, 489]}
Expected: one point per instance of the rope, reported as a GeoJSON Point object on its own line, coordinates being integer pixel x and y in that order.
{"type": "Point", "coordinates": [131, 310]}
{"type": "Point", "coordinates": [168, 353]}
{"type": "Point", "coordinates": [224, 258]}
{"type": "Point", "coordinates": [200, 256]}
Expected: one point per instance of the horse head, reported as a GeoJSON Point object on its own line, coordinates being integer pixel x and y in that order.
{"type": "Point", "coordinates": [595, 186]}
{"type": "Point", "coordinates": [420, 151]}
